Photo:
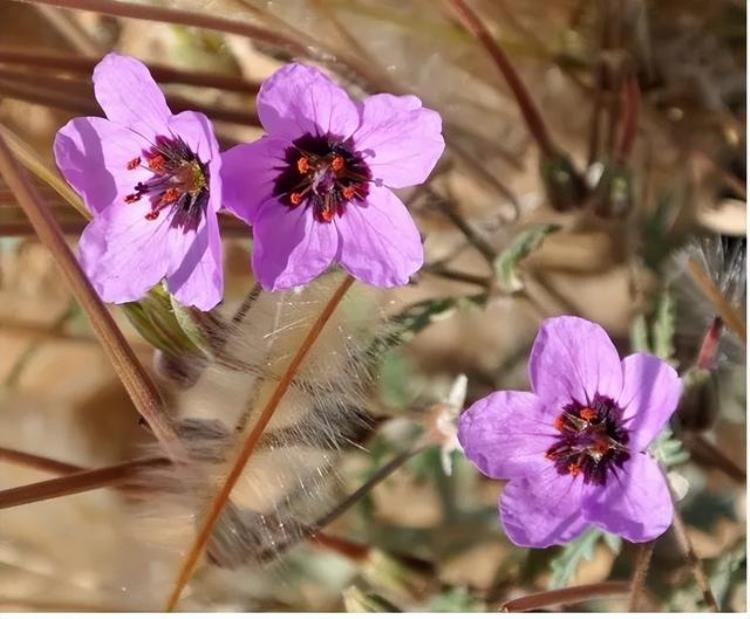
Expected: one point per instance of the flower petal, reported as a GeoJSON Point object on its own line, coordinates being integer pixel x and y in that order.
{"type": "Point", "coordinates": [380, 243]}
{"type": "Point", "coordinates": [400, 140]}
{"type": "Point", "coordinates": [290, 248]}
{"type": "Point", "coordinates": [507, 434]}
{"type": "Point", "coordinates": [124, 254]}
{"type": "Point", "coordinates": [197, 132]}
{"type": "Point", "coordinates": [297, 100]}
{"type": "Point", "coordinates": [93, 155]}
{"type": "Point", "coordinates": [634, 503]}
{"type": "Point", "coordinates": [128, 94]}
{"type": "Point", "coordinates": [543, 510]}
{"type": "Point", "coordinates": [197, 277]}
{"type": "Point", "coordinates": [249, 172]}
{"type": "Point", "coordinates": [573, 358]}
{"type": "Point", "coordinates": [650, 393]}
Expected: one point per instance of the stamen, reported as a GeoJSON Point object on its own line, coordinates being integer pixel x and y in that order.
{"type": "Point", "coordinates": [151, 215]}
{"type": "Point", "coordinates": [587, 414]}
{"type": "Point", "coordinates": [559, 423]}
{"type": "Point", "coordinates": [574, 468]}
{"type": "Point", "coordinates": [296, 198]}
{"type": "Point", "coordinates": [349, 192]}
{"type": "Point", "coordinates": [303, 165]}
{"type": "Point", "coordinates": [156, 163]}
{"type": "Point", "coordinates": [132, 197]}
{"type": "Point", "coordinates": [170, 195]}
{"type": "Point", "coordinates": [134, 163]}
{"type": "Point", "coordinates": [337, 164]}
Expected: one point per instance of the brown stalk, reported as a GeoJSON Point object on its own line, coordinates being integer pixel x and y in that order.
{"type": "Point", "coordinates": [178, 16]}
{"type": "Point", "coordinates": [82, 481]}
{"type": "Point", "coordinates": [47, 97]}
{"type": "Point", "coordinates": [248, 445]}
{"type": "Point", "coordinates": [642, 564]}
{"type": "Point", "coordinates": [161, 73]}
{"type": "Point", "coordinates": [528, 108]}
{"type": "Point", "coordinates": [683, 539]}
{"type": "Point", "coordinates": [723, 308]}
{"type": "Point", "coordinates": [566, 596]}
{"type": "Point", "coordinates": [632, 101]}
{"type": "Point", "coordinates": [705, 452]}
{"type": "Point", "coordinates": [40, 463]}
{"type": "Point", "coordinates": [136, 381]}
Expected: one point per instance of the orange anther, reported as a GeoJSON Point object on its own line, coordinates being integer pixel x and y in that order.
{"type": "Point", "coordinates": [587, 414]}
{"type": "Point", "coordinates": [303, 165]}
{"type": "Point", "coordinates": [134, 163]}
{"type": "Point", "coordinates": [156, 163]}
{"type": "Point", "coordinates": [295, 198]}
{"type": "Point", "coordinates": [151, 215]}
{"type": "Point", "coordinates": [132, 197]}
{"type": "Point", "coordinates": [574, 468]}
{"type": "Point", "coordinates": [337, 164]}
{"type": "Point", "coordinates": [170, 195]}
{"type": "Point", "coordinates": [349, 192]}
{"type": "Point", "coordinates": [326, 214]}
{"type": "Point", "coordinates": [559, 423]}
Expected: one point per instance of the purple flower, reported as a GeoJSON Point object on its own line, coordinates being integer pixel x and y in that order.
{"type": "Point", "coordinates": [574, 449]}
{"type": "Point", "coordinates": [152, 182]}
{"type": "Point", "coordinates": [315, 188]}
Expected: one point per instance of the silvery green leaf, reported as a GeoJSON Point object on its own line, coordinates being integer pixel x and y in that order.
{"type": "Point", "coordinates": [506, 264]}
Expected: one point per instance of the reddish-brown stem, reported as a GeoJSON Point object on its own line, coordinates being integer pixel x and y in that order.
{"type": "Point", "coordinates": [704, 452]}
{"type": "Point", "coordinates": [249, 443]}
{"type": "Point", "coordinates": [723, 308]}
{"type": "Point", "coordinates": [161, 73]}
{"type": "Point", "coordinates": [680, 531]}
{"type": "Point", "coordinates": [710, 345]}
{"type": "Point", "coordinates": [631, 104]}
{"type": "Point", "coordinates": [75, 483]}
{"type": "Point", "coordinates": [40, 463]}
{"type": "Point", "coordinates": [529, 110]}
{"type": "Point", "coordinates": [351, 550]}
{"type": "Point", "coordinates": [136, 381]}
{"type": "Point", "coordinates": [567, 596]}
{"type": "Point", "coordinates": [642, 564]}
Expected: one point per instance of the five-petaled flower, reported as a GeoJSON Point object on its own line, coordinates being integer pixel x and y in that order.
{"type": "Point", "coordinates": [574, 449]}
{"type": "Point", "coordinates": [152, 182]}
{"type": "Point", "coordinates": [316, 187]}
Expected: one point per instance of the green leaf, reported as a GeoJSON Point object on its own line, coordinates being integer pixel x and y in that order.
{"type": "Point", "coordinates": [186, 319]}
{"type": "Point", "coordinates": [663, 328]}
{"type": "Point", "coordinates": [565, 565]}
{"type": "Point", "coordinates": [506, 264]}
{"type": "Point", "coordinates": [668, 449]}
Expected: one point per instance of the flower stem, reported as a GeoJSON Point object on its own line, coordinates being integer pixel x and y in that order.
{"type": "Point", "coordinates": [161, 73]}
{"type": "Point", "coordinates": [568, 595]}
{"type": "Point", "coordinates": [136, 381]}
{"type": "Point", "coordinates": [680, 531]}
{"type": "Point", "coordinates": [40, 463]}
{"type": "Point", "coordinates": [75, 483]}
{"type": "Point", "coordinates": [248, 446]}
{"type": "Point", "coordinates": [529, 110]}
{"type": "Point", "coordinates": [642, 564]}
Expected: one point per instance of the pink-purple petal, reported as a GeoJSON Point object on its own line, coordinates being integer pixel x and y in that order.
{"type": "Point", "coordinates": [400, 140]}
{"type": "Point", "coordinates": [573, 359]}
{"type": "Point", "coordinates": [249, 172]}
{"type": "Point", "coordinates": [635, 502]}
{"type": "Point", "coordinates": [93, 155]}
{"type": "Point", "coordinates": [507, 434]}
{"type": "Point", "coordinates": [297, 100]}
{"type": "Point", "coordinates": [543, 510]}
{"type": "Point", "coordinates": [196, 276]}
{"type": "Point", "coordinates": [124, 254]}
{"type": "Point", "coordinates": [380, 243]}
{"type": "Point", "coordinates": [290, 248]}
{"type": "Point", "coordinates": [129, 96]}
{"type": "Point", "coordinates": [650, 393]}
{"type": "Point", "coordinates": [197, 131]}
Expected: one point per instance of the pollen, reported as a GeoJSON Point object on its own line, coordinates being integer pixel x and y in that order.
{"type": "Point", "coordinates": [132, 197]}
{"type": "Point", "coordinates": [349, 192]}
{"type": "Point", "coordinates": [587, 414]}
{"type": "Point", "coordinates": [574, 468]}
{"type": "Point", "coordinates": [170, 195]}
{"type": "Point", "coordinates": [303, 165]}
{"type": "Point", "coordinates": [134, 163]}
{"type": "Point", "coordinates": [151, 215]}
{"type": "Point", "coordinates": [559, 423]}
{"type": "Point", "coordinates": [156, 163]}
{"type": "Point", "coordinates": [295, 198]}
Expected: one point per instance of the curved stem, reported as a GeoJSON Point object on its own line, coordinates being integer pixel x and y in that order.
{"type": "Point", "coordinates": [569, 595]}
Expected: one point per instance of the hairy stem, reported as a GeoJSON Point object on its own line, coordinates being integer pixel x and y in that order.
{"type": "Point", "coordinates": [637, 582]}
{"type": "Point", "coordinates": [136, 381]}
{"type": "Point", "coordinates": [683, 539]}
{"type": "Point", "coordinates": [723, 308]}
{"type": "Point", "coordinates": [248, 446]}
{"type": "Point", "coordinates": [566, 596]}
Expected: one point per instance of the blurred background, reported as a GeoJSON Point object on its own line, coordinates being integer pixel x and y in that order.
{"type": "Point", "coordinates": [628, 208]}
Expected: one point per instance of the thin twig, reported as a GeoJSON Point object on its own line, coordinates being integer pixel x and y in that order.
{"type": "Point", "coordinates": [723, 308]}
{"type": "Point", "coordinates": [76, 483]}
{"type": "Point", "coordinates": [640, 571]}
{"type": "Point", "coordinates": [136, 381]}
{"type": "Point", "coordinates": [528, 108]}
{"type": "Point", "coordinates": [40, 463]}
{"type": "Point", "coordinates": [161, 73]}
{"type": "Point", "coordinates": [632, 101]}
{"type": "Point", "coordinates": [680, 531]}
{"type": "Point", "coordinates": [248, 445]}
{"type": "Point", "coordinates": [566, 596]}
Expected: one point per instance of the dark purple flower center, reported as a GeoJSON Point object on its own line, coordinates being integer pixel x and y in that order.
{"type": "Point", "coordinates": [591, 441]}
{"type": "Point", "coordinates": [323, 173]}
{"type": "Point", "coordinates": [179, 182]}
